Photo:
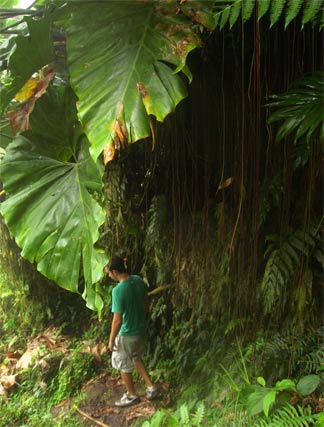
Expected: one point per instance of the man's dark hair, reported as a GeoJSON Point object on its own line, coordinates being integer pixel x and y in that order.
{"type": "Point", "coordinates": [118, 263]}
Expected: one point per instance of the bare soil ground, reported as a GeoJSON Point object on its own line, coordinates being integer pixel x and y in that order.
{"type": "Point", "coordinates": [98, 408]}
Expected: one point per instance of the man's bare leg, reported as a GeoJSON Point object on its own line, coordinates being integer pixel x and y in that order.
{"type": "Point", "coordinates": [129, 383]}
{"type": "Point", "coordinates": [141, 369]}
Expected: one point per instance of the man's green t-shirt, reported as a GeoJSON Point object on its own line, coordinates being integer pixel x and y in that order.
{"type": "Point", "coordinates": [128, 299]}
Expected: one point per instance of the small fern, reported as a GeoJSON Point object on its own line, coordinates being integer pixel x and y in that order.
{"type": "Point", "coordinates": [181, 418]}
{"type": "Point", "coordinates": [289, 416]}
{"type": "Point", "coordinates": [199, 415]}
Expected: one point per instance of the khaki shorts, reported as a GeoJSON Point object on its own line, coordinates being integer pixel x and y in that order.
{"type": "Point", "coordinates": [128, 350]}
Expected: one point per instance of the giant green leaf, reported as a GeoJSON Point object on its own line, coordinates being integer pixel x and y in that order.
{"type": "Point", "coordinates": [49, 178]}
{"type": "Point", "coordinates": [123, 61]}
{"type": "Point", "coordinates": [30, 54]}
{"type": "Point", "coordinates": [8, 3]}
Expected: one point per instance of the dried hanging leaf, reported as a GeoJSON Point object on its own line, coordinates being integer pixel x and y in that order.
{"type": "Point", "coordinates": [225, 183]}
{"type": "Point", "coordinates": [19, 119]}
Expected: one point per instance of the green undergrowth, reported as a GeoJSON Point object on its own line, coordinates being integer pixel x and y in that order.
{"type": "Point", "coordinates": [275, 381]}
{"type": "Point", "coordinates": [32, 403]}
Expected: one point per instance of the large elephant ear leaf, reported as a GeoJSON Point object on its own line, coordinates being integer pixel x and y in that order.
{"type": "Point", "coordinates": [128, 69]}
{"type": "Point", "coordinates": [49, 178]}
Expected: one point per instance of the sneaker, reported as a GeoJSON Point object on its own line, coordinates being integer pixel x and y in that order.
{"type": "Point", "coordinates": [152, 393]}
{"type": "Point", "coordinates": [127, 400]}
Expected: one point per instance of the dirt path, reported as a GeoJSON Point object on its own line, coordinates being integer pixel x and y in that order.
{"type": "Point", "coordinates": [98, 409]}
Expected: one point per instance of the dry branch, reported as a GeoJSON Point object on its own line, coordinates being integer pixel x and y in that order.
{"type": "Point", "coordinates": [89, 417]}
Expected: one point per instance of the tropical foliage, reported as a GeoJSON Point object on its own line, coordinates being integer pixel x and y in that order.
{"type": "Point", "coordinates": [219, 206]}
{"type": "Point", "coordinates": [123, 80]}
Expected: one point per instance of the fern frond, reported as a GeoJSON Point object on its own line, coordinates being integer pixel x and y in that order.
{"type": "Point", "coordinates": [279, 269]}
{"type": "Point", "coordinates": [263, 7]}
{"type": "Point", "coordinates": [277, 7]}
{"type": "Point", "coordinates": [224, 17]}
{"type": "Point", "coordinates": [301, 108]}
{"type": "Point", "coordinates": [304, 351]}
{"type": "Point", "coordinates": [311, 10]}
{"type": "Point", "coordinates": [283, 259]}
{"type": "Point", "coordinates": [293, 8]}
{"type": "Point", "coordinates": [235, 13]}
{"type": "Point", "coordinates": [199, 415]}
{"type": "Point", "coordinates": [230, 10]}
{"type": "Point", "coordinates": [157, 219]}
{"type": "Point", "coordinates": [312, 363]}
{"type": "Point", "coordinates": [289, 416]}
{"type": "Point", "coordinates": [247, 9]}
{"type": "Point", "coordinates": [184, 416]}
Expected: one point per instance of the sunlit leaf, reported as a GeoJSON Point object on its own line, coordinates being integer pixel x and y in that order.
{"type": "Point", "coordinates": [123, 67]}
{"type": "Point", "coordinates": [28, 89]}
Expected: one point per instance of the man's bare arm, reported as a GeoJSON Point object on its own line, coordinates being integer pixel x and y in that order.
{"type": "Point", "coordinates": [115, 327]}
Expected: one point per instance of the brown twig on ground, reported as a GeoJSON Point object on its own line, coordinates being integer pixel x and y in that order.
{"type": "Point", "coordinates": [89, 417]}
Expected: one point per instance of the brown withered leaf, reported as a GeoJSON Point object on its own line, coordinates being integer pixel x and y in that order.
{"type": "Point", "coordinates": [8, 381]}
{"type": "Point", "coordinates": [19, 119]}
{"type": "Point", "coordinates": [12, 354]}
{"type": "Point", "coordinates": [27, 357]}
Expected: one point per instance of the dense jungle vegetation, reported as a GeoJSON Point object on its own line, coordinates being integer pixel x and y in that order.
{"type": "Point", "coordinates": [188, 137]}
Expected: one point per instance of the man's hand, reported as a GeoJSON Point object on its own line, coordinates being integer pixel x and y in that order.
{"type": "Point", "coordinates": [111, 347]}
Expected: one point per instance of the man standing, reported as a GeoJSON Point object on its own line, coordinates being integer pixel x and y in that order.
{"type": "Point", "coordinates": [128, 329]}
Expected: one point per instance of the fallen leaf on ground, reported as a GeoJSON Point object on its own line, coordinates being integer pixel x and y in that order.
{"type": "Point", "coordinates": [8, 381]}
